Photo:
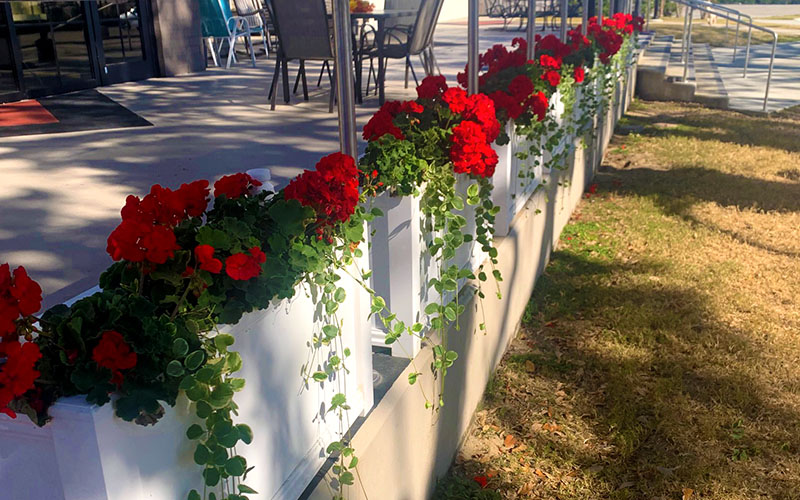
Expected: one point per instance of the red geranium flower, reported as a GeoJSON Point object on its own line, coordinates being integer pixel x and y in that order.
{"type": "Point", "coordinates": [114, 354]}
{"type": "Point", "coordinates": [552, 77]}
{"type": "Point", "coordinates": [381, 123]}
{"type": "Point", "coordinates": [471, 152]}
{"type": "Point", "coordinates": [138, 242]}
{"type": "Point", "coordinates": [234, 186]}
{"type": "Point", "coordinates": [331, 190]}
{"type": "Point", "coordinates": [481, 480]}
{"type": "Point", "coordinates": [194, 197]}
{"type": "Point", "coordinates": [205, 258]}
{"type": "Point", "coordinates": [579, 74]}
{"type": "Point", "coordinates": [244, 266]}
{"type": "Point", "coordinates": [19, 296]}
{"type": "Point", "coordinates": [538, 105]}
{"type": "Point", "coordinates": [17, 374]}
{"type": "Point", "coordinates": [481, 109]}
{"type": "Point", "coordinates": [432, 87]}
{"type": "Point", "coordinates": [456, 99]}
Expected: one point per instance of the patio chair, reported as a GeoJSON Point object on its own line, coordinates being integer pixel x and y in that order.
{"type": "Point", "coordinates": [258, 18]}
{"type": "Point", "coordinates": [220, 25]}
{"type": "Point", "coordinates": [507, 10]}
{"type": "Point", "coordinates": [303, 35]}
{"type": "Point", "coordinates": [403, 43]}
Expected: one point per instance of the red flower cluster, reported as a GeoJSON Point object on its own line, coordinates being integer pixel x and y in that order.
{"type": "Point", "coordinates": [244, 266]}
{"type": "Point", "coordinates": [497, 59]}
{"type": "Point", "coordinates": [477, 107]}
{"type": "Point", "coordinates": [472, 152]}
{"type": "Point", "coordinates": [609, 34]}
{"type": "Point", "coordinates": [520, 99]}
{"type": "Point", "coordinates": [331, 190]}
{"type": "Point", "coordinates": [234, 186]}
{"type": "Point", "coordinates": [579, 74]}
{"type": "Point", "coordinates": [17, 374]}
{"type": "Point", "coordinates": [432, 87]}
{"type": "Point", "coordinates": [146, 232]}
{"type": "Point", "coordinates": [19, 296]}
{"type": "Point", "coordinates": [205, 259]}
{"type": "Point", "coordinates": [114, 354]}
{"type": "Point", "coordinates": [382, 122]}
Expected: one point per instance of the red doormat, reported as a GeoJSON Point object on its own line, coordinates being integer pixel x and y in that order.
{"type": "Point", "coordinates": [25, 113]}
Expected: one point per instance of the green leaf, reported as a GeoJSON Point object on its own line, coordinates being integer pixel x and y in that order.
{"type": "Point", "coordinates": [472, 190]}
{"type": "Point", "coordinates": [451, 356]}
{"type": "Point", "coordinates": [450, 312]}
{"type": "Point", "coordinates": [205, 374]}
{"type": "Point", "coordinates": [330, 331]}
{"type": "Point", "coordinates": [432, 308]}
{"type": "Point", "coordinates": [201, 454]}
{"type": "Point", "coordinates": [194, 495]}
{"type": "Point", "coordinates": [243, 488]}
{"type": "Point", "coordinates": [245, 433]}
{"type": "Point", "coordinates": [203, 409]}
{"type": "Point", "coordinates": [412, 377]}
{"type": "Point", "coordinates": [340, 295]}
{"type": "Point", "coordinates": [194, 360]}
{"type": "Point", "coordinates": [353, 463]}
{"type": "Point", "coordinates": [194, 431]}
{"type": "Point", "coordinates": [223, 341]}
{"type": "Point", "coordinates": [237, 384]}
{"type": "Point", "coordinates": [221, 396]}
{"type": "Point", "coordinates": [180, 347]}
{"type": "Point", "coordinates": [174, 368]}
{"type": "Point", "coordinates": [320, 376]}
{"type": "Point", "coordinates": [347, 478]}
{"type": "Point", "coordinates": [235, 466]}
{"type": "Point", "coordinates": [337, 400]}
{"type": "Point", "coordinates": [211, 476]}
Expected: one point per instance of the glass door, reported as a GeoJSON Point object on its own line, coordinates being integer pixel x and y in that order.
{"type": "Point", "coordinates": [124, 40]}
{"type": "Point", "coordinates": [10, 87]}
{"type": "Point", "coordinates": [53, 46]}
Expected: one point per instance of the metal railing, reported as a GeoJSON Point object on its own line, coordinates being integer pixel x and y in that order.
{"type": "Point", "coordinates": [703, 6]}
{"type": "Point", "coordinates": [724, 10]}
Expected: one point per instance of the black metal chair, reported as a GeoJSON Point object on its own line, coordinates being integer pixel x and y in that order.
{"type": "Point", "coordinates": [404, 42]}
{"type": "Point", "coordinates": [303, 35]}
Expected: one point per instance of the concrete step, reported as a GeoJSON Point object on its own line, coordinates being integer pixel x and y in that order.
{"type": "Point", "coordinates": [711, 90]}
{"type": "Point", "coordinates": [659, 75]}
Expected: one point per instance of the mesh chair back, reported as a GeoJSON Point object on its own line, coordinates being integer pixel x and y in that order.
{"type": "Point", "coordinates": [425, 26]}
{"type": "Point", "coordinates": [213, 19]}
{"type": "Point", "coordinates": [401, 20]}
{"type": "Point", "coordinates": [249, 10]}
{"type": "Point", "coordinates": [302, 27]}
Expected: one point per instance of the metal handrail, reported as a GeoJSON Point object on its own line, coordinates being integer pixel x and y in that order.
{"type": "Point", "coordinates": [739, 15]}
{"type": "Point", "coordinates": [700, 5]}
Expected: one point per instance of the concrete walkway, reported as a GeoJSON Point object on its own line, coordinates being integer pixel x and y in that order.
{"type": "Point", "coordinates": [61, 194]}
{"type": "Point", "coordinates": [747, 94]}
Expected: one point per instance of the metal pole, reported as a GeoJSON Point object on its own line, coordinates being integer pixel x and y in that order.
{"type": "Point", "coordinates": [637, 8]}
{"type": "Point", "coordinates": [563, 9]}
{"type": "Point", "coordinates": [647, 14]}
{"type": "Point", "coordinates": [685, 26]}
{"type": "Point", "coordinates": [344, 77]}
{"type": "Point", "coordinates": [747, 51]}
{"type": "Point", "coordinates": [473, 54]}
{"type": "Point", "coordinates": [688, 45]}
{"type": "Point", "coordinates": [599, 11]}
{"type": "Point", "coordinates": [531, 33]}
{"type": "Point", "coordinates": [735, 38]}
{"type": "Point", "coordinates": [584, 16]}
{"type": "Point", "coordinates": [769, 75]}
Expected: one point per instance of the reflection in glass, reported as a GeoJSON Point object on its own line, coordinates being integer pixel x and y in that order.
{"type": "Point", "coordinates": [53, 40]}
{"type": "Point", "coordinates": [7, 82]}
{"type": "Point", "coordinates": [119, 26]}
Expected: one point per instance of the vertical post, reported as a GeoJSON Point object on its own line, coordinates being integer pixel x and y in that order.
{"type": "Point", "coordinates": [688, 44]}
{"type": "Point", "coordinates": [656, 7]}
{"type": "Point", "coordinates": [564, 7]}
{"type": "Point", "coordinates": [747, 50]}
{"type": "Point", "coordinates": [637, 8]}
{"type": "Point", "coordinates": [473, 54]}
{"type": "Point", "coordinates": [584, 16]}
{"type": "Point", "coordinates": [599, 11]}
{"type": "Point", "coordinates": [769, 75]}
{"type": "Point", "coordinates": [685, 26]}
{"type": "Point", "coordinates": [344, 77]}
{"type": "Point", "coordinates": [531, 32]}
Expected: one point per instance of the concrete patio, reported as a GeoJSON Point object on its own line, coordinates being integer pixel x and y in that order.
{"type": "Point", "coordinates": [61, 193]}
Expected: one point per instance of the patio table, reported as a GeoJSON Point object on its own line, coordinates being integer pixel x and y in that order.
{"type": "Point", "coordinates": [380, 15]}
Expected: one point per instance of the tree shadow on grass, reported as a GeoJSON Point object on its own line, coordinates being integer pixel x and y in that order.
{"type": "Point", "coordinates": [647, 387]}
{"type": "Point", "coordinates": [778, 131]}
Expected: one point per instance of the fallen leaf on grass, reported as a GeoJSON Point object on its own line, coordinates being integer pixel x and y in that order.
{"type": "Point", "coordinates": [529, 366]}
{"type": "Point", "coordinates": [510, 441]}
{"type": "Point", "coordinates": [687, 493]}
{"type": "Point", "coordinates": [551, 427]}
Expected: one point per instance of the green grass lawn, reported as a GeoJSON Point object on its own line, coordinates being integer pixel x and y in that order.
{"type": "Point", "coordinates": [659, 357]}
{"type": "Point", "coordinates": [718, 36]}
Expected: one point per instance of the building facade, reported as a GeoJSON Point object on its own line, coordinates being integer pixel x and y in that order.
{"type": "Point", "coordinates": [51, 47]}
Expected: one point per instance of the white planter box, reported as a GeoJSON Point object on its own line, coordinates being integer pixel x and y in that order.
{"type": "Point", "coordinates": [87, 453]}
{"type": "Point", "coordinates": [401, 266]}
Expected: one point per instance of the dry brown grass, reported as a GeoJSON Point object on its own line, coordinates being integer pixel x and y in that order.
{"type": "Point", "coordinates": [660, 355]}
